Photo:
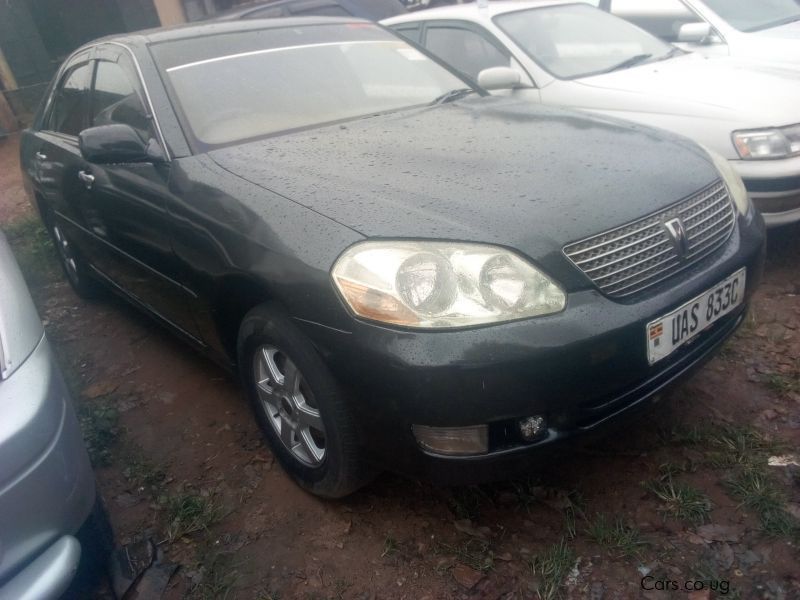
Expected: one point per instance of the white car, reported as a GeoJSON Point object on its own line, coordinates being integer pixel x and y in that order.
{"type": "Point", "coordinates": [575, 55]}
{"type": "Point", "coordinates": [747, 29]}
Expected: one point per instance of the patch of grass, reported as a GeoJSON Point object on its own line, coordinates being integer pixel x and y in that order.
{"type": "Point", "coordinates": [33, 249]}
{"type": "Point", "coordinates": [466, 502]}
{"type": "Point", "coordinates": [686, 436]}
{"type": "Point", "coordinates": [473, 552]}
{"type": "Point", "coordinates": [527, 492]}
{"type": "Point", "coordinates": [188, 513]}
{"type": "Point", "coordinates": [552, 566]}
{"type": "Point", "coordinates": [783, 383]}
{"type": "Point", "coordinates": [739, 446]}
{"type": "Point", "coordinates": [673, 468]}
{"type": "Point", "coordinates": [680, 500]}
{"type": "Point", "coordinates": [219, 580]}
{"type": "Point", "coordinates": [615, 534]}
{"type": "Point", "coordinates": [141, 472]}
{"type": "Point", "coordinates": [390, 546]}
{"type": "Point", "coordinates": [570, 522]}
{"type": "Point", "coordinates": [573, 510]}
{"type": "Point", "coordinates": [101, 431]}
{"type": "Point", "coordinates": [759, 493]}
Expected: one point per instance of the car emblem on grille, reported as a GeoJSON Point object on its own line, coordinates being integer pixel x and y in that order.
{"type": "Point", "coordinates": [677, 234]}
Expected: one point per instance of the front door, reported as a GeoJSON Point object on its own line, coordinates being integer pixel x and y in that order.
{"type": "Point", "coordinates": [125, 209]}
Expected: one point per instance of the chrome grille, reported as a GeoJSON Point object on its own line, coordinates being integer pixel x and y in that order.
{"type": "Point", "coordinates": [628, 259]}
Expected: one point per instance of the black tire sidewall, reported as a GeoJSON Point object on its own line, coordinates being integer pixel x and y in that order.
{"type": "Point", "coordinates": [340, 472]}
{"type": "Point", "coordinates": [83, 283]}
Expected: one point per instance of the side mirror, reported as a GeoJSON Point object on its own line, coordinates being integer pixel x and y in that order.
{"type": "Point", "coordinates": [499, 78]}
{"type": "Point", "coordinates": [694, 33]}
{"type": "Point", "coordinates": [117, 143]}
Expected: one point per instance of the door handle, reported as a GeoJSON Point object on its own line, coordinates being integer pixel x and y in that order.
{"type": "Point", "coordinates": [41, 156]}
{"type": "Point", "coordinates": [86, 178]}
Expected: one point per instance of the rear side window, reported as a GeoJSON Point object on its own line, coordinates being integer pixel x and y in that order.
{"type": "Point", "coordinates": [70, 102]}
{"type": "Point", "coordinates": [116, 98]}
{"type": "Point", "coordinates": [410, 32]}
{"type": "Point", "coordinates": [465, 50]}
{"type": "Point", "coordinates": [265, 13]}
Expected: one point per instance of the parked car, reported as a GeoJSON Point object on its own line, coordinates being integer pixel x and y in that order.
{"type": "Point", "coordinates": [406, 273]}
{"type": "Point", "coordinates": [48, 510]}
{"type": "Point", "coordinates": [373, 10]}
{"type": "Point", "coordinates": [577, 56]}
{"type": "Point", "coordinates": [749, 29]}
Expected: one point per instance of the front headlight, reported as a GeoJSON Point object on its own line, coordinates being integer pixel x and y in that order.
{"type": "Point", "coordinates": [781, 142]}
{"type": "Point", "coordinates": [732, 179]}
{"type": "Point", "coordinates": [442, 284]}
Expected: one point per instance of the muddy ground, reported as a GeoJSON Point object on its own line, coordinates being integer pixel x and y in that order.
{"type": "Point", "coordinates": [685, 495]}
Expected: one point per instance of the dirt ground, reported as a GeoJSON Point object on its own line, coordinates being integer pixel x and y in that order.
{"type": "Point", "coordinates": [684, 496]}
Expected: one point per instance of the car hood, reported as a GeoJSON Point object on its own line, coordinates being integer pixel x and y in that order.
{"type": "Point", "coordinates": [488, 169]}
{"type": "Point", "coordinates": [752, 93]}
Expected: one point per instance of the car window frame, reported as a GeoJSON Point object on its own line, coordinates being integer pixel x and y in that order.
{"type": "Point", "coordinates": [75, 62]}
{"type": "Point", "coordinates": [455, 23]}
{"type": "Point", "coordinates": [116, 48]}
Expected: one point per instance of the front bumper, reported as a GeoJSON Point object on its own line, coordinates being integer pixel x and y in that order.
{"type": "Point", "coordinates": [774, 188]}
{"type": "Point", "coordinates": [582, 368]}
{"type": "Point", "coordinates": [49, 493]}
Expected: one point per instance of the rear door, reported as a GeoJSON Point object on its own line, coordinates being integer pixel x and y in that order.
{"type": "Point", "coordinates": [125, 208]}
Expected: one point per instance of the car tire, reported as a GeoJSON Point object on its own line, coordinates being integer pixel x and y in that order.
{"type": "Point", "coordinates": [75, 267]}
{"type": "Point", "coordinates": [299, 406]}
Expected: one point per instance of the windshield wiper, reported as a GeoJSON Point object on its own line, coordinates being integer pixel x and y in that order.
{"type": "Point", "coordinates": [629, 62]}
{"type": "Point", "coordinates": [453, 95]}
{"type": "Point", "coordinates": [672, 53]}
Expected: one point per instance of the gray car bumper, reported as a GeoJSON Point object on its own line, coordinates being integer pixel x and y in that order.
{"type": "Point", "coordinates": [46, 495]}
{"type": "Point", "coordinates": [774, 188]}
{"type": "Point", "coordinates": [48, 576]}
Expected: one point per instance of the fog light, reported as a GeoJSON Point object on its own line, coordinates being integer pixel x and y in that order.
{"type": "Point", "coordinates": [531, 428]}
{"type": "Point", "coordinates": [453, 441]}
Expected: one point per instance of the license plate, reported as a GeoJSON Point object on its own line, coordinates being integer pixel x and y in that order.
{"type": "Point", "coordinates": [681, 326]}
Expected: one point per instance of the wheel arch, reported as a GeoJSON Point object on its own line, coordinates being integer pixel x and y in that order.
{"type": "Point", "coordinates": [237, 295]}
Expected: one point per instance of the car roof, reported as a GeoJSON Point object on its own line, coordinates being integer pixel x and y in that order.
{"type": "Point", "coordinates": [472, 12]}
{"type": "Point", "coordinates": [359, 5]}
{"type": "Point", "coordinates": [209, 28]}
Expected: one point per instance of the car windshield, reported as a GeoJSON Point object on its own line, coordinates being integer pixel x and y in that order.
{"type": "Point", "coordinates": [237, 86]}
{"type": "Point", "coordinates": [756, 15]}
{"type": "Point", "coordinates": [572, 41]}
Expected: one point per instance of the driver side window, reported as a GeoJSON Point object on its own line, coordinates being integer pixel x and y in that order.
{"type": "Point", "coordinates": [70, 102]}
{"type": "Point", "coordinates": [463, 49]}
{"type": "Point", "coordinates": [116, 98]}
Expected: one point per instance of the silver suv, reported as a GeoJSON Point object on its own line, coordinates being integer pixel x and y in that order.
{"type": "Point", "coordinates": [47, 489]}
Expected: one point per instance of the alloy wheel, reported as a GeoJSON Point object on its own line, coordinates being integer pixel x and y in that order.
{"type": "Point", "coordinates": [289, 405]}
